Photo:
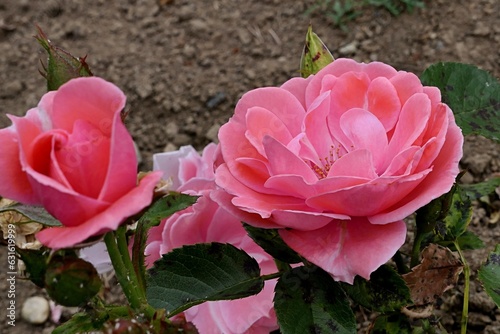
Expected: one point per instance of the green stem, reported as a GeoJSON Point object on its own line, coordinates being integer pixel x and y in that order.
{"type": "Point", "coordinates": [116, 244]}
{"type": "Point", "coordinates": [272, 276]}
{"type": "Point", "coordinates": [138, 254]}
{"type": "Point", "coordinates": [400, 263]}
{"type": "Point", "coordinates": [415, 252]}
{"type": "Point", "coordinates": [121, 240]}
{"type": "Point", "coordinates": [282, 266]}
{"type": "Point", "coordinates": [465, 309]}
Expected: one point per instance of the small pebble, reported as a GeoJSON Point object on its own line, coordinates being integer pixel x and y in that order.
{"type": "Point", "coordinates": [349, 48]}
{"type": "Point", "coordinates": [35, 310]}
{"type": "Point", "coordinates": [213, 133]}
{"type": "Point", "coordinates": [215, 100]}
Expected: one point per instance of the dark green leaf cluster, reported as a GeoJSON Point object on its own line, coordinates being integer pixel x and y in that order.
{"type": "Point", "coordinates": [489, 275]}
{"type": "Point", "coordinates": [69, 280]}
{"type": "Point", "coordinates": [473, 95]}
{"type": "Point", "coordinates": [340, 12]}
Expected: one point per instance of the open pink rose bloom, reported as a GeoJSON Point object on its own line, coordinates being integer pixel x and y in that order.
{"type": "Point", "coordinates": [73, 155]}
{"type": "Point", "coordinates": [337, 160]}
{"type": "Point", "coordinates": [206, 221]}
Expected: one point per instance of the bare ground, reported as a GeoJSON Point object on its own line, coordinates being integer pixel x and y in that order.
{"type": "Point", "coordinates": [183, 65]}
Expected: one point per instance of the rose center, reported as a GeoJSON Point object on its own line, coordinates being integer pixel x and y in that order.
{"type": "Point", "coordinates": [324, 164]}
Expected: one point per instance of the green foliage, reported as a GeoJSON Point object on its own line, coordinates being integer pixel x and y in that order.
{"type": "Point", "coordinates": [159, 210]}
{"type": "Point", "coordinates": [459, 216]}
{"type": "Point", "coordinates": [193, 274]}
{"type": "Point", "coordinates": [271, 242]}
{"type": "Point", "coordinates": [36, 264]}
{"type": "Point", "coordinates": [428, 215]}
{"type": "Point", "coordinates": [473, 95]}
{"type": "Point", "coordinates": [395, 323]}
{"type": "Point", "coordinates": [340, 12]}
{"type": "Point", "coordinates": [71, 281]}
{"type": "Point", "coordinates": [36, 213]}
{"type": "Point", "coordinates": [478, 190]}
{"type": "Point", "coordinates": [308, 300]}
{"type": "Point", "coordinates": [489, 275]}
{"type": "Point", "coordinates": [386, 291]}
{"type": "Point", "coordinates": [82, 322]}
{"type": "Point", "coordinates": [61, 65]}
{"type": "Point", "coordinates": [396, 7]}
{"type": "Point", "coordinates": [467, 241]}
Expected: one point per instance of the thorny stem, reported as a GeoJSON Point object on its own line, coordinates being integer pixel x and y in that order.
{"type": "Point", "coordinates": [116, 244]}
{"type": "Point", "coordinates": [465, 309]}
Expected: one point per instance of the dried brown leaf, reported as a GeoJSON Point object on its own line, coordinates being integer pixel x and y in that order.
{"type": "Point", "coordinates": [438, 272]}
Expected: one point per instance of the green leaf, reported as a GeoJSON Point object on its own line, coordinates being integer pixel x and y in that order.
{"type": "Point", "coordinates": [437, 209]}
{"type": "Point", "coordinates": [386, 291]}
{"type": "Point", "coordinates": [71, 281]}
{"type": "Point", "coordinates": [271, 242]}
{"type": "Point", "coordinates": [193, 274]}
{"type": "Point", "coordinates": [396, 323]}
{"type": "Point", "coordinates": [36, 264]}
{"type": "Point", "coordinates": [315, 55]}
{"type": "Point", "coordinates": [79, 323]}
{"type": "Point", "coordinates": [489, 275]}
{"type": "Point", "coordinates": [159, 210]}
{"type": "Point", "coordinates": [165, 207]}
{"type": "Point", "coordinates": [308, 300]}
{"type": "Point", "coordinates": [459, 215]}
{"type": "Point", "coordinates": [478, 190]}
{"type": "Point", "coordinates": [473, 95]}
{"type": "Point", "coordinates": [35, 213]}
{"type": "Point", "coordinates": [467, 241]}
{"type": "Point", "coordinates": [61, 65]}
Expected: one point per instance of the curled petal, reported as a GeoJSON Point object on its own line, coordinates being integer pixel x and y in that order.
{"type": "Point", "coordinates": [92, 99]}
{"type": "Point", "coordinates": [435, 184]}
{"type": "Point", "coordinates": [109, 219]}
{"type": "Point", "coordinates": [14, 183]}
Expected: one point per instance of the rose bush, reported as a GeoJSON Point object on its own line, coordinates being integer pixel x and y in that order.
{"type": "Point", "coordinates": [336, 160]}
{"type": "Point", "coordinates": [206, 221]}
{"type": "Point", "coordinates": [73, 155]}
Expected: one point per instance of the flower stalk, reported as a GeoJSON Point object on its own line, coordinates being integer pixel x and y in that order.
{"type": "Point", "coordinates": [465, 308]}
{"type": "Point", "coordinates": [116, 244]}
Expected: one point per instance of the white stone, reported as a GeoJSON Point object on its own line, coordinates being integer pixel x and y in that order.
{"type": "Point", "coordinates": [349, 48]}
{"type": "Point", "coordinates": [35, 310]}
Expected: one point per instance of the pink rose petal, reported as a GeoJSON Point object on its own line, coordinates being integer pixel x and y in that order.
{"type": "Point", "coordinates": [348, 248]}
{"type": "Point", "coordinates": [107, 220]}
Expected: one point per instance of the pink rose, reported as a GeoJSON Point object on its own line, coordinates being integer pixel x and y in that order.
{"type": "Point", "coordinates": [337, 160]}
{"type": "Point", "coordinates": [73, 155]}
{"type": "Point", "coordinates": [206, 221]}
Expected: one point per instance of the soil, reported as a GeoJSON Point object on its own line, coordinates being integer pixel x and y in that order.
{"type": "Point", "coordinates": [183, 64]}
